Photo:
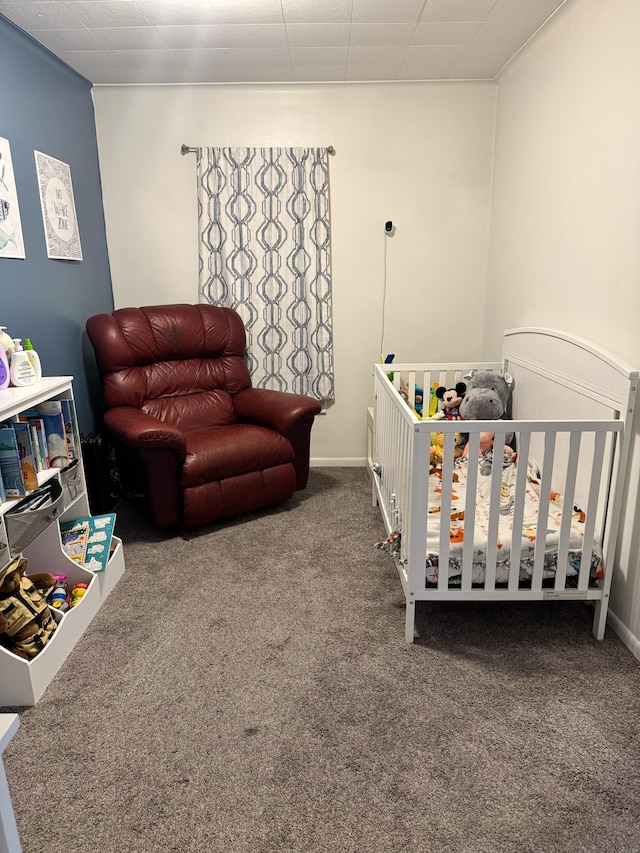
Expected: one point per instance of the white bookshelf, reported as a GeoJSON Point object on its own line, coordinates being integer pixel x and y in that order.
{"type": "Point", "coordinates": [37, 536]}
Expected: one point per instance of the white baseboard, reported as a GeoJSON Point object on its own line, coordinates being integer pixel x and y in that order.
{"type": "Point", "coordinates": [630, 640]}
{"type": "Point", "coordinates": [329, 462]}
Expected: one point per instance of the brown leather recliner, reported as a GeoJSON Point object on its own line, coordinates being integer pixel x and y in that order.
{"type": "Point", "coordinates": [177, 391]}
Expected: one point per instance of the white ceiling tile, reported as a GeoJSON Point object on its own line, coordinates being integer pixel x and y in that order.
{"type": "Point", "coordinates": [168, 12]}
{"type": "Point", "coordinates": [247, 11]}
{"type": "Point", "coordinates": [442, 33]}
{"type": "Point", "coordinates": [40, 16]}
{"type": "Point", "coordinates": [58, 40]}
{"type": "Point", "coordinates": [205, 35]}
{"type": "Point", "coordinates": [376, 55]}
{"type": "Point", "coordinates": [203, 59]}
{"type": "Point", "coordinates": [325, 56]}
{"type": "Point", "coordinates": [318, 35]}
{"type": "Point", "coordinates": [532, 11]}
{"type": "Point", "coordinates": [312, 73]}
{"type": "Point", "coordinates": [265, 74]}
{"type": "Point", "coordinates": [386, 12]}
{"type": "Point", "coordinates": [88, 61]}
{"type": "Point", "coordinates": [216, 74]}
{"type": "Point", "coordinates": [456, 10]}
{"type": "Point", "coordinates": [144, 75]}
{"type": "Point", "coordinates": [426, 70]}
{"type": "Point", "coordinates": [317, 11]}
{"type": "Point", "coordinates": [262, 56]}
{"type": "Point", "coordinates": [370, 35]}
{"type": "Point", "coordinates": [108, 13]}
{"type": "Point", "coordinates": [258, 35]}
{"type": "Point", "coordinates": [434, 52]}
{"type": "Point", "coordinates": [501, 36]}
{"type": "Point", "coordinates": [129, 38]}
{"type": "Point", "coordinates": [137, 59]}
{"type": "Point", "coordinates": [356, 73]}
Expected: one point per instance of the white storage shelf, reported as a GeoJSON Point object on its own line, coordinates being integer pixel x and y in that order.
{"type": "Point", "coordinates": [23, 682]}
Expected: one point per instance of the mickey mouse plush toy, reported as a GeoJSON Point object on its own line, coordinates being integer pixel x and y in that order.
{"type": "Point", "coordinates": [451, 398]}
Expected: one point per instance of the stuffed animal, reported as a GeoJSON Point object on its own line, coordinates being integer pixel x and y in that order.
{"type": "Point", "coordinates": [452, 398]}
{"type": "Point", "coordinates": [26, 623]}
{"type": "Point", "coordinates": [487, 399]}
{"type": "Point", "coordinates": [436, 449]}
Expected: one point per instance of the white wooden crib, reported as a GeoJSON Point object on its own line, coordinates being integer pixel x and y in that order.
{"type": "Point", "coordinates": [572, 406]}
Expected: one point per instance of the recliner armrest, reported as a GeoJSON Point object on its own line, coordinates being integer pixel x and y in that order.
{"type": "Point", "coordinates": [144, 432]}
{"type": "Point", "coordinates": [278, 410]}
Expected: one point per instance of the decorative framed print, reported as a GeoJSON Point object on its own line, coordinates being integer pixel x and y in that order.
{"type": "Point", "coordinates": [11, 242]}
{"type": "Point", "coordinates": [58, 208]}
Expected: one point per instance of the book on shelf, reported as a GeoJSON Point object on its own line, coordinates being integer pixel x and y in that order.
{"type": "Point", "coordinates": [38, 437]}
{"type": "Point", "coordinates": [27, 455]}
{"type": "Point", "coordinates": [51, 414]}
{"type": "Point", "coordinates": [10, 468]}
{"type": "Point", "coordinates": [87, 540]}
{"type": "Point", "coordinates": [71, 433]}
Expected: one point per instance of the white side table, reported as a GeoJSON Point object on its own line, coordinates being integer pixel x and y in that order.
{"type": "Point", "coordinates": [9, 841]}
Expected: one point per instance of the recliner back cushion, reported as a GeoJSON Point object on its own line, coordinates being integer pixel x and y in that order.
{"type": "Point", "coordinates": [179, 363]}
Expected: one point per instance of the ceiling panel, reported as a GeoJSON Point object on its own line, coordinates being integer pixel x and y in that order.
{"type": "Point", "coordinates": [226, 41]}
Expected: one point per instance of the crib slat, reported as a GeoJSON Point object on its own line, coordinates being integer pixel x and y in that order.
{"type": "Point", "coordinates": [445, 511]}
{"type": "Point", "coordinates": [567, 511]}
{"type": "Point", "coordinates": [494, 511]}
{"type": "Point", "coordinates": [592, 507]}
{"type": "Point", "coordinates": [473, 450]}
{"type": "Point", "coordinates": [524, 442]}
{"type": "Point", "coordinates": [543, 510]}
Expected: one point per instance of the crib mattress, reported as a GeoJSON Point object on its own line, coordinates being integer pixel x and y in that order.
{"type": "Point", "coordinates": [531, 527]}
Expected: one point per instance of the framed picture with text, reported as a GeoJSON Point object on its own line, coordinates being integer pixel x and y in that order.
{"type": "Point", "coordinates": [58, 208]}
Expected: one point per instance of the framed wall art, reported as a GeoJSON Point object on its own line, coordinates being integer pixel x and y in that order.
{"type": "Point", "coordinates": [58, 208]}
{"type": "Point", "coordinates": [11, 241]}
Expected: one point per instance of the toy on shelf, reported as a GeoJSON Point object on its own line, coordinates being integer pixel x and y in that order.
{"type": "Point", "coordinates": [59, 596]}
{"type": "Point", "coordinates": [77, 593]}
{"type": "Point", "coordinates": [26, 623]}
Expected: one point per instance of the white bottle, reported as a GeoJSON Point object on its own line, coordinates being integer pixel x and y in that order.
{"type": "Point", "coordinates": [34, 358]}
{"type": "Point", "coordinates": [21, 370]}
{"type": "Point", "coordinates": [6, 342]}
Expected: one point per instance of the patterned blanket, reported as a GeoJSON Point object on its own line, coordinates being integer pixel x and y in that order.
{"type": "Point", "coordinates": [461, 528]}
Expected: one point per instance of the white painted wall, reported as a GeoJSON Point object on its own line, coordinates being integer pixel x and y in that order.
{"type": "Point", "coordinates": [565, 226]}
{"type": "Point", "coordinates": [418, 154]}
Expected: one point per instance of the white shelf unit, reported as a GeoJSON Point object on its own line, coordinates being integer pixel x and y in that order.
{"type": "Point", "coordinates": [23, 682]}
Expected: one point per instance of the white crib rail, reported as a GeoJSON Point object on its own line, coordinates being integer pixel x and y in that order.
{"type": "Point", "coordinates": [582, 456]}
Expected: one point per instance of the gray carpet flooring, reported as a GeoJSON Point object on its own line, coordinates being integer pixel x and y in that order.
{"type": "Point", "coordinates": [250, 691]}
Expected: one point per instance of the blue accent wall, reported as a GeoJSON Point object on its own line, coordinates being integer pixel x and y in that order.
{"type": "Point", "coordinates": [46, 106]}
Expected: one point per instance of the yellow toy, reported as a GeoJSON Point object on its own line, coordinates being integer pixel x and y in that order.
{"type": "Point", "coordinates": [437, 448]}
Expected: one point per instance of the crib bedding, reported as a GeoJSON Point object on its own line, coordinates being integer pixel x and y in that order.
{"type": "Point", "coordinates": [530, 525]}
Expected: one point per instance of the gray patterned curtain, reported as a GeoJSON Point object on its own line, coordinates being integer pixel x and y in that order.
{"type": "Point", "coordinates": [265, 252]}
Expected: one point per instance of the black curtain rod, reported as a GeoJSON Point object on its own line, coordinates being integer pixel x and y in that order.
{"type": "Point", "coordinates": [184, 149]}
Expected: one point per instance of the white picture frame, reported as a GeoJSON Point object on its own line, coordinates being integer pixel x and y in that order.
{"type": "Point", "coordinates": [58, 208]}
{"type": "Point", "coordinates": [11, 239]}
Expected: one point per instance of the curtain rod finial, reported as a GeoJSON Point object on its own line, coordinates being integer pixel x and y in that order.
{"type": "Point", "coordinates": [184, 149]}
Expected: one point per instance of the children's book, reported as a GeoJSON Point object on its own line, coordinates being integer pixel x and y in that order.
{"type": "Point", "coordinates": [10, 467]}
{"type": "Point", "coordinates": [27, 455]}
{"type": "Point", "coordinates": [87, 541]}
